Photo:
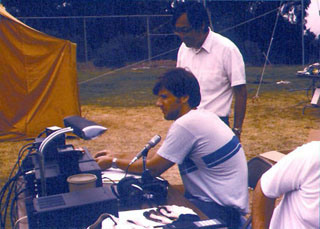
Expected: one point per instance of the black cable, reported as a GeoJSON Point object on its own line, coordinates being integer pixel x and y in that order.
{"type": "Point", "coordinates": [39, 135]}
{"type": "Point", "coordinates": [126, 171]}
{"type": "Point", "coordinates": [12, 179]}
{"type": "Point", "coordinates": [13, 205]}
{"type": "Point", "coordinates": [10, 185]}
{"type": "Point", "coordinates": [7, 200]}
{"type": "Point", "coordinates": [20, 154]}
{"type": "Point", "coordinates": [30, 149]}
{"type": "Point", "coordinates": [114, 191]}
{"type": "Point", "coordinates": [4, 189]}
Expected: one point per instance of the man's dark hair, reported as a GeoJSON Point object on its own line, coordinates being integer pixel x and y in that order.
{"type": "Point", "coordinates": [196, 13]}
{"type": "Point", "coordinates": [180, 83]}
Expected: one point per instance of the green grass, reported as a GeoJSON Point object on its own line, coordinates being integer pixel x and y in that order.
{"type": "Point", "coordinates": [273, 75]}
{"type": "Point", "coordinates": [274, 118]}
{"type": "Point", "coordinates": [130, 88]}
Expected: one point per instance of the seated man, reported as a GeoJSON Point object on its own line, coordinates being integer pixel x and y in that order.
{"type": "Point", "coordinates": [211, 160]}
{"type": "Point", "coordinates": [297, 178]}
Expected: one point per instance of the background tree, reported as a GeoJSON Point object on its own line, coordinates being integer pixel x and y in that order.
{"type": "Point", "coordinates": [241, 21]}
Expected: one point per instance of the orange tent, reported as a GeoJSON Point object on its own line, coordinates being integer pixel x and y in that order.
{"type": "Point", "coordinates": [38, 79]}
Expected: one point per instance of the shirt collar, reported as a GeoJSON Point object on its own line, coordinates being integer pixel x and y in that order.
{"type": "Point", "coordinates": [206, 46]}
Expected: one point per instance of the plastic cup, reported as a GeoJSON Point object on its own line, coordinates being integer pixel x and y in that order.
{"type": "Point", "coordinates": [81, 181]}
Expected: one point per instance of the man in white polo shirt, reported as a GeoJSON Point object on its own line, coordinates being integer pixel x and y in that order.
{"type": "Point", "coordinates": [214, 60]}
{"type": "Point", "coordinates": [296, 177]}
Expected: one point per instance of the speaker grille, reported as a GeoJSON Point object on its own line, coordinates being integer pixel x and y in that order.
{"type": "Point", "coordinates": [51, 201]}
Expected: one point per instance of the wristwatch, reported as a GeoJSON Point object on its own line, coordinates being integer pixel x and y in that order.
{"type": "Point", "coordinates": [114, 163]}
{"type": "Point", "coordinates": [237, 131]}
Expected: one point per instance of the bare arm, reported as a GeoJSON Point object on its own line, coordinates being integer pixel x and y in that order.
{"type": "Point", "coordinates": [240, 105]}
{"type": "Point", "coordinates": [262, 209]}
{"type": "Point", "coordinates": [156, 164]}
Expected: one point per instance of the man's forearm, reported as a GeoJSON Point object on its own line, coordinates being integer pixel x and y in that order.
{"type": "Point", "coordinates": [156, 165]}
{"type": "Point", "coordinates": [262, 209]}
{"type": "Point", "coordinates": [136, 167]}
{"type": "Point", "coordinates": [240, 105]}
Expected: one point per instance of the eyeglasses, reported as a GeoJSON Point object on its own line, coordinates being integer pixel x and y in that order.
{"type": "Point", "coordinates": [182, 29]}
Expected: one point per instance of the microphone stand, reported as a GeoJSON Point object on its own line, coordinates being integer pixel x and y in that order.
{"type": "Point", "coordinates": [144, 161]}
{"type": "Point", "coordinates": [155, 190]}
{"type": "Point", "coordinates": [146, 179]}
{"type": "Point", "coordinates": [146, 176]}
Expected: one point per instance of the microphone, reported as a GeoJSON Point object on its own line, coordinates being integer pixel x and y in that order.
{"type": "Point", "coordinates": [152, 143]}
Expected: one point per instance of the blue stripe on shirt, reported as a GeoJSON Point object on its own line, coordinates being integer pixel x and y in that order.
{"type": "Point", "coordinates": [222, 154]}
{"type": "Point", "coordinates": [187, 166]}
{"type": "Point", "coordinates": [212, 159]}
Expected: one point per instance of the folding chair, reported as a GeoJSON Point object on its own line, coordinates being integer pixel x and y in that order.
{"type": "Point", "coordinates": [256, 167]}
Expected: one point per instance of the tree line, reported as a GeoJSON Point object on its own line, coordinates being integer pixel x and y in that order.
{"type": "Point", "coordinates": [116, 41]}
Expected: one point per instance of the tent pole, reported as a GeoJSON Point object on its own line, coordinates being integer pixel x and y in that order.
{"type": "Point", "coordinates": [148, 40]}
{"type": "Point", "coordinates": [302, 31]}
{"type": "Point", "coordinates": [85, 39]}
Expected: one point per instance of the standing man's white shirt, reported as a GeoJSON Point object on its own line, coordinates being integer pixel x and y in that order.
{"type": "Point", "coordinates": [218, 65]}
{"type": "Point", "coordinates": [297, 176]}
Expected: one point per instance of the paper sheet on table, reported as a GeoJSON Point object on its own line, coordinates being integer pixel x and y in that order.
{"type": "Point", "coordinates": [115, 175]}
{"type": "Point", "coordinates": [135, 219]}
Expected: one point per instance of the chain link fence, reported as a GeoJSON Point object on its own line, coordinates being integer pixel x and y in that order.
{"type": "Point", "coordinates": [111, 39]}
{"type": "Point", "coordinates": [118, 40]}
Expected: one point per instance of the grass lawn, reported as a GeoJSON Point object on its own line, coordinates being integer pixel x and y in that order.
{"type": "Point", "coordinates": [122, 101]}
{"type": "Point", "coordinates": [274, 118]}
{"type": "Point", "coordinates": [132, 87]}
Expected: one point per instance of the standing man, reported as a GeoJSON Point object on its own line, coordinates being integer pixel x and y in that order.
{"type": "Point", "coordinates": [211, 161]}
{"type": "Point", "coordinates": [214, 60]}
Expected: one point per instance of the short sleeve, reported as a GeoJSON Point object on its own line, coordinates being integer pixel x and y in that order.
{"type": "Point", "coordinates": [291, 171]}
{"type": "Point", "coordinates": [178, 140]}
{"type": "Point", "coordinates": [235, 66]}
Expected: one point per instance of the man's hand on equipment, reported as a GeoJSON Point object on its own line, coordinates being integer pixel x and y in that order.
{"type": "Point", "coordinates": [104, 162]}
{"type": "Point", "coordinates": [104, 159]}
{"type": "Point", "coordinates": [101, 153]}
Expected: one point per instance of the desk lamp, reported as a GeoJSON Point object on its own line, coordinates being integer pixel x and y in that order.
{"type": "Point", "coordinates": [82, 127]}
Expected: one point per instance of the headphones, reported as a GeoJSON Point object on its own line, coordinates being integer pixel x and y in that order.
{"type": "Point", "coordinates": [135, 191]}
